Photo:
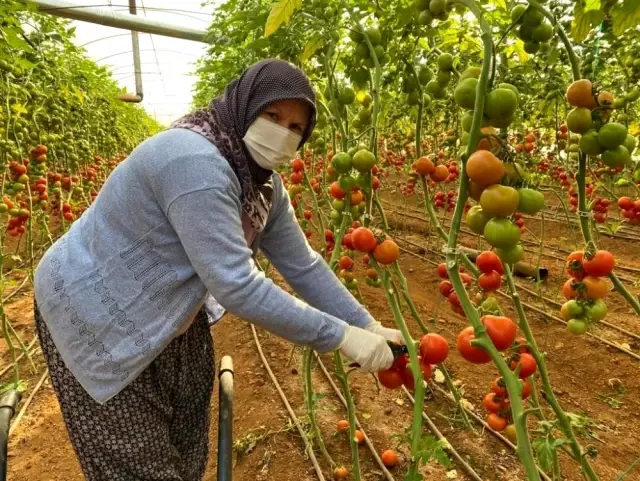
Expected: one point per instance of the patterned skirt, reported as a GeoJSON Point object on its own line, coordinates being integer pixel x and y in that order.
{"type": "Point", "coordinates": [155, 429]}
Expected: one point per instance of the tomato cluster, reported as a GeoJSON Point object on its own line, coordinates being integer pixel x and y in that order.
{"type": "Point", "coordinates": [498, 406]}
{"type": "Point", "coordinates": [630, 209]}
{"type": "Point", "coordinates": [434, 349]}
{"type": "Point", "coordinates": [529, 144]}
{"type": "Point", "coordinates": [491, 270]}
{"type": "Point", "coordinates": [446, 287]}
{"type": "Point", "coordinates": [585, 289]}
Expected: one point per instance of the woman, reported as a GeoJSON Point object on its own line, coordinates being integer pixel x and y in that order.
{"type": "Point", "coordinates": [125, 298]}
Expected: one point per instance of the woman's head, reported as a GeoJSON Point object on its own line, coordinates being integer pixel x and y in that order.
{"type": "Point", "coordinates": [272, 89]}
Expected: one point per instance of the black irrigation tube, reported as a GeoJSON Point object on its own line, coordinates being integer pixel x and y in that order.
{"type": "Point", "coordinates": [308, 446]}
{"type": "Point", "coordinates": [536, 309]}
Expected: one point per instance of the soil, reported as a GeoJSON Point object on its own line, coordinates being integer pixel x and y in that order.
{"type": "Point", "coordinates": [597, 383]}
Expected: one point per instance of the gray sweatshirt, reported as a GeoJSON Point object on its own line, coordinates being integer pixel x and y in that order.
{"type": "Point", "coordinates": [165, 232]}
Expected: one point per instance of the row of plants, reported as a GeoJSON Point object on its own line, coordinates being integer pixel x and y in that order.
{"type": "Point", "coordinates": [63, 129]}
{"type": "Point", "coordinates": [440, 97]}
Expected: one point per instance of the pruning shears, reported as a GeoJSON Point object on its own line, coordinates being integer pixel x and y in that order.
{"type": "Point", "coordinates": [398, 350]}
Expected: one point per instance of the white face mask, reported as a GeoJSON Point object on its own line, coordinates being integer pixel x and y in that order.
{"type": "Point", "coordinates": [270, 144]}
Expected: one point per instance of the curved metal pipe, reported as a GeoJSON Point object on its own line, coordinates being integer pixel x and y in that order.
{"type": "Point", "coordinates": [101, 16]}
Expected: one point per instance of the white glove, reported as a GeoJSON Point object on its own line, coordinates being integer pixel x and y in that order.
{"type": "Point", "coordinates": [369, 350]}
{"type": "Point", "coordinates": [392, 335]}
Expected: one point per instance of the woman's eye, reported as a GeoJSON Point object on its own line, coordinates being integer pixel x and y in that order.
{"type": "Point", "coordinates": [296, 128]}
{"type": "Point", "coordinates": [273, 116]}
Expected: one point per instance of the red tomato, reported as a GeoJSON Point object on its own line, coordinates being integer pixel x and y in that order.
{"type": "Point", "coordinates": [474, 355]}
{"type": "Point", "coordinates": [442, 271]}
{"type": "Point", "coordinates": [335, 191]}
{"type": "Point", "coordinates": [297, 165]}
{"type": "Point", "coordinates": [496, 422]}
{"type": "Point", "coordinates": [407, 378]}
{"type": "Point", "coordinates": [466, 278]}
{"type": "Point", "coordinates": [453, 299]}
{"type": "Point", "coordinates": [499, 387]}
{"type": "Point", "coordinates": [445, 288]}
{"type": "Point", "coordinates": [425, 368]}
{"type": "Point", "coordinates": [489, 282]}
{"type": "Point", "coordinates": [390, 379]}
{"type": "Point", "coordinates": [501, 330]}
{"type": "Point", "coordinates": [363, 240]}
{"type": "Point", "coordinates": [574, 265]}
{"type": "Point", "coordinates": [492, 402]}
{"type": "Point", "coordinates": [489, 261]}
{"type": "Point", "coordinates": [387, 252]}
{"type": "Point", "coordinates": [434, 348]}
{"type": "Point", "coordinates": [600, 265]}
{"type": "Point", "coordinates": [527, 362]}
{"type": "Point", "coordinates": [346, 262]}
{"type": "Point", "coordinates": [526, 388]}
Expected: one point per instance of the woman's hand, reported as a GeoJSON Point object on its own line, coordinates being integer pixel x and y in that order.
{"type": "Point", "coordinates": [392, 335]}
{"type": "Point", "coordinates": [368, 349]}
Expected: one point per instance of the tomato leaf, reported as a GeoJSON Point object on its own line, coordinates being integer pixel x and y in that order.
{"type": "Point", "coordinates": [314, 43]}
{"type": "Point", "coordinates": [625, 16]}
{"type": "Point", "coordinates": [281, 12]}
{"type": "Point", "coordinates": [16, 41]}
{"type": "Point", "coordinates": [592, 5]}
{"type": "Point", "coordinates": [413, 477]}
{"type": "Point", "coordinates": [584, 21]}
{"type": "Point", "coordinates": [500, 4]}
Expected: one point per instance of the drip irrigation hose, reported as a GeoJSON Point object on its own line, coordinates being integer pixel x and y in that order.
{"type": "Point", "coordinates": [285, 401]}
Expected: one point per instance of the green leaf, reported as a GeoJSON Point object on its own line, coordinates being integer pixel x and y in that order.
{"type": "Point", "coordinates": [583, 22]}
{"type": "Point", "coordinates": [24, 63]}
{"type": "Point", "coordinates": [500, 4]}
{"type": "Point", "coordinates": [15, 41]}
{"type": "Point", "coordinates": [592, 5]}
{"type": "Point", "coordinates": [625, 16]}
{"type": "Point", "coordinates": [314, 43]}
{"type": "Point", "coordinates": [544, 451]}
{"type": "Point", "coordinates": [281, 12]}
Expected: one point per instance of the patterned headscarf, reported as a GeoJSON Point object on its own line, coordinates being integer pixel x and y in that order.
{"type": "Point", "coordinates": [227, 119]}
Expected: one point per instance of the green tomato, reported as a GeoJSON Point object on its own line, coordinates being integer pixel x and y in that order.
{"type": "Point", "coordinates": [363, 161]}
{"type": "Point", "coordinates": [490, 304]}
{"type": "Point", "coordinates": [596, 310]}
{"type": "Point", "coordinates": [477, 219]}
{"type": "Point", "coordinates": [531, 201]}
{"type": "Point", "coordinates": [501, 233]}
{"type": "Point", "coordinates": [571, 309]}
{"type": "Point", "coordinates": [338, 205]}
{"type": "Point", "coordinates": [499, 200]}
{"type": "Point", "coordinates": [511, 255]}
{"type": "Point", "coordinates": [341, 162]}
{"type": "Point", "coordinates": [577, 326]}
{"type": "Point", "coordinates": [335, 216]}
{"type": "Point", "coordinates": [347, 182]}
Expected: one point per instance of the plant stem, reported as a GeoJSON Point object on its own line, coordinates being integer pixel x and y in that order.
{"type": "Point", "coordinates": [351, 412]}
{"type": "Point", "coordinates": [307, 359]}
{"type": "Point", "coordinates": [563, 419]}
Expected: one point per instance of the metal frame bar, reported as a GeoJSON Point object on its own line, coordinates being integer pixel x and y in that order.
{"type": "Point", "coordinates": [109, 18]}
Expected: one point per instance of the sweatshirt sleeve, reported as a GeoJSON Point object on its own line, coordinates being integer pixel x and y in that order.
{"type": "Point", "coordinates": [208, 224]}
{"type": "Point", "coordinates": [286, 247]}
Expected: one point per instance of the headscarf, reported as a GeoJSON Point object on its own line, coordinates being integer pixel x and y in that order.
{"type": "Point", "coordinates": [227, 119]}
